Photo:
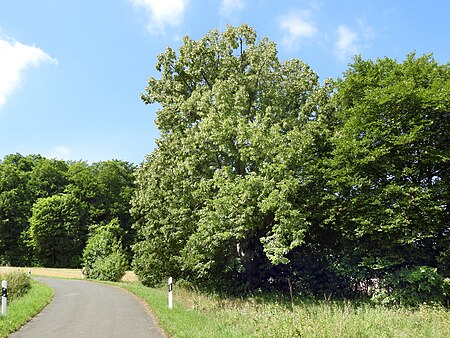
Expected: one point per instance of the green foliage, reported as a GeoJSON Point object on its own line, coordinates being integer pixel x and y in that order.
{"type": "Point", "coordinates": [389, 173]}
{"type": "Point", "coordinates": [226, 194]}
{"type": "Point", "coordinates": [48, 177]}
{"type": "Point", "coordinates": [102, 191]}
{"type": "Point", "coordinates": [263, 178]}
{"type": "Point", "coordinates": [16, 200]}
{"type": "Point", "coordinates": [106, 187]}
{"type": "Point", "coordinates": [412, 286]}
{"type": "Point", "coordinates": [58, 230]}
{"type": "Point", "coordinates": [103, 256]}
{"type": "Point", "coordinates": [18, 284]}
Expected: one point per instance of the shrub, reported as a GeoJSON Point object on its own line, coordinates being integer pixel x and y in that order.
{"type": "Point", "coordinates": [103, 256]}
{"type": "Point", "coordinates": [414, 286]}
{"type": "Point", "coordinates": [111, 267]}
{"type": "Point", "coordinates": [18, 284]}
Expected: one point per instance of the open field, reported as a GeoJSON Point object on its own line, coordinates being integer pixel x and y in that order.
{"type": "Point", "coordinates": [60, 273]}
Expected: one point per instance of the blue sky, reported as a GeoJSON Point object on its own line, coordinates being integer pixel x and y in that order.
{"type": "Point", "coordinates": [71, 71]}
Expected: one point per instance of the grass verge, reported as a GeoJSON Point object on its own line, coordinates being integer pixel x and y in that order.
{"type": "Point", "coordinates": [23, 309]}
{"type": "Point", "coordinates": [197, 315]}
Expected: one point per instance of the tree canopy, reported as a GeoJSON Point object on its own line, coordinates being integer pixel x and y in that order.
{"type": "Point", "coordinates": [264, 177]}
{"type": "Point", "coordinates": [389, 168]}
{"type": "Point", "coordinates": [49, 207]}
{"type": "Point", "coordinates": [223, 187]}
{"type": "Point", "coordinates": [58, 230]}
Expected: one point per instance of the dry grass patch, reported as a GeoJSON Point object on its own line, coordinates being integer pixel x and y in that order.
{"type": "Point", "coordinates": [60, 273]}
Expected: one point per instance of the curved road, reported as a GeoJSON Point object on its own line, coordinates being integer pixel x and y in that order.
{"type": "Point", "coordinates": [87, 309]}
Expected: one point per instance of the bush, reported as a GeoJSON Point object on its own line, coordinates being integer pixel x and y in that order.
{"type": "Point", "coordinates": [18, 284]}
{"type": "Point", "coordinates": [104, 257]}
{"type": "Point", "coordinates": [414, 286]}
{"type": "Point", "coordinates": [111, 267]}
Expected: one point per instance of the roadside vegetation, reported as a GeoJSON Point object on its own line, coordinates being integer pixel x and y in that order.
{"type": "Point", "coordinates": [199, 314]}
{"type": "Point", "coordinates": [26, 298]}
{"type": "Point", "coordinates": [18, 284]}
{"type": "Point", "coordinates": [103, 256]}
{"type": "Point", "coordinates": [196, 314]}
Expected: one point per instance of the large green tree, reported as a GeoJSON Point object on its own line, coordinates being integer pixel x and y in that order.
{"type": "Point", "coordinates": [114, 188]}
{"type": "Point", "coordinates": [106, 187]}
{"type": "Point", "coordinates": [389, 171]}
{"type": "Point", "coordinates": [58, 230]}
{"type": "Point", "coordinates": [262, 176]}
{"type": "Point", "coordinates": [48, 177]}
{"type": "Point", "coordinates": [228, 193]}
{"type": "Point", "coordinates": [16, 200]}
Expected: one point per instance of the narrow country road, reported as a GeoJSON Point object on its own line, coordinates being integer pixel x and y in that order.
{"type": "Point", "coordinates": [86, 309]}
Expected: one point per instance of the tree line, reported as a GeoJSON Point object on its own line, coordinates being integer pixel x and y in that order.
{"type": "Point", "coordinates": [49, 208]}
{"type": "Point", "coordinates": [263, 178]}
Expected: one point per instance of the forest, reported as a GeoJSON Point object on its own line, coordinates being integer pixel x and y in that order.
{"type": "Point", "coordinates": [263, 178]}
{"type": "Point", "coordinates": [49, 208]}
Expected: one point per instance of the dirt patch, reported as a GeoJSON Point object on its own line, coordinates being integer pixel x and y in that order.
{"type": "Point", "coordinates": [129, 276]}
{"type": "Point", "coordinates": [60, 273]}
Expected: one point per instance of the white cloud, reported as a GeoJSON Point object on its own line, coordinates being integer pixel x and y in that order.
{"type": "Point", "coordinates": [60, 152]}
{"type": "Point", "coordinates": [345, 46]}
{"type": "Point", "coordinates": [297, 26]}
{"type": "Point", "coordinates": [366, 31]}
{"type": "Point", "coordinates": [15, 57]}
{"type": "Point", "coordinates": [229, 7]}
{"type": "Point", "coordinates": [162, 13]}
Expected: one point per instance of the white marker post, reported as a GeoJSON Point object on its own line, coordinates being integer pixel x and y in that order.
{"type": "Point", "coordinates": [170, 292]}
{"type": "Point", "coordinates": [4, 297]}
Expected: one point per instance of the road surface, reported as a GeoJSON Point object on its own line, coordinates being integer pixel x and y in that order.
{"type": "Point", "coordinates": [86, 309]}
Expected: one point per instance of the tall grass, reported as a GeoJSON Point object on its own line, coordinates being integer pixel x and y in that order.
{"type": "Point", "coordinates": [21, 310]}
{"type": "Point", "coordinates": [199, 315]}
{"type": "Point", "coordinates": [18, 284]}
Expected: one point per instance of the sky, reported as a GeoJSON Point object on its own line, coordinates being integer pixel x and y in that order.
{"type": "Point", "coordinates": [72, 71]}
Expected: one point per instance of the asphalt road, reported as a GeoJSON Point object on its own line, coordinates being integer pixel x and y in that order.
{"type": "Point", "coordinates": [86, 309]}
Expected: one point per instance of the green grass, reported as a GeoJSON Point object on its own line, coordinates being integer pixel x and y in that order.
{"type": "Point", "coordinates": [21, 310]}
{"type": "Point", "coordinates": [198, 315]}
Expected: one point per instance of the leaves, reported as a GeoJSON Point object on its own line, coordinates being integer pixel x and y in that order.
{"type": "Point", "coordinates": [103, 191]}
{"type": "Point", "coordinates": [58, 230]}
{"type": "Point", "coordinates": [103, 256]}
{"type": "Point", "coordinates": [220, 194]}
{"type": "Point", "coordinates": [390, 163]}
{"type": "Point", "coordinates": [262, 175]}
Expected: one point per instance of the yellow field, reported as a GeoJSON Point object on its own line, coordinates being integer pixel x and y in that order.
{"type": "Point", "coordinates": [60, 273]}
